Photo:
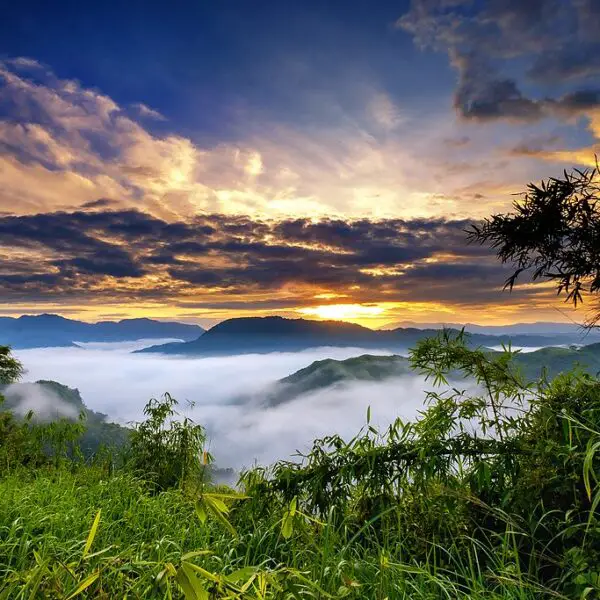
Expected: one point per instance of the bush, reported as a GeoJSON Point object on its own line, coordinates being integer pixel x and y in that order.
{"type": "Point", "coordinates": [165, 450]}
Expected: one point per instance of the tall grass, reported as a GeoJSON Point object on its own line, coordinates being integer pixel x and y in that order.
{"type": "Point", "coordinates": [142, 540]}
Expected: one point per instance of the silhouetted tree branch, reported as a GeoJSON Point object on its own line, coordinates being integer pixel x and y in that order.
{"type": "Point", "coordinates": [554, 233]}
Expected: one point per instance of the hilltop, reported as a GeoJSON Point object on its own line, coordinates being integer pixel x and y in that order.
{"type": "Point", "coordinates": [325, 373]}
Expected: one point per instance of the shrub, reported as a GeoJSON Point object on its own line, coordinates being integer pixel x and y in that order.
{"type": "Point", "coordinates": [165, 450]}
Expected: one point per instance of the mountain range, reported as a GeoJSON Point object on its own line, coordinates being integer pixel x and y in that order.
{"type": "Point", "coordinates": [267, 334]}
{"type": "Point", "coordinates": [271, 334]}
{"type": "Point", "coordinates": [44, 331]}
{"type": "Point", "coordinates": [542, 328]}
{"type": "Point", "coordinates": [323, 374]}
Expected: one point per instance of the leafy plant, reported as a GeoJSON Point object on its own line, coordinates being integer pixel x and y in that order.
{"type": "Point", "coordinates": [167, 450]}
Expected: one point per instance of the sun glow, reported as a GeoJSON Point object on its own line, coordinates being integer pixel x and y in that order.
{"type": "Point", "coordinates": [343, 312]}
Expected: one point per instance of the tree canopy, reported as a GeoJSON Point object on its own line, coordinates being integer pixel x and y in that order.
{"type": "Point", "coordinates": [553, 232]}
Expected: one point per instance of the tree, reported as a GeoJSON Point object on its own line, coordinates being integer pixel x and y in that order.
{"type": "Point", "coordinates": [10, 368]}
{"type": "Point", "coordinates": [554, 233]}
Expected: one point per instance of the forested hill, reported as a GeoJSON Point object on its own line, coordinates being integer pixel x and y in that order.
{"type": "Point", "coordinates": [50, 401]}
{"type": "Point", "coordinates": [326, 373]}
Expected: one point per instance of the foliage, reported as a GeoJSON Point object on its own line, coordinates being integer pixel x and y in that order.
{"type": "Point", "coordinates": [25, 442]}
{"type": "Point", "coordinates": [11, 369]}
{"type": "Point", "coordinates": [167, 450]}
{"type": "Point", "coordinates": [98, 435]}
{"type": "Point", "coordinates": [492, 493]}
{"type": "Point", "coordinates": [499, 467]}
{"type": "Point", "coordinates": [554, 231]}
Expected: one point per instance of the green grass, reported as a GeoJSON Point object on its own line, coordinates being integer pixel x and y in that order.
{"type": "Point", "coordinates": [45, 519]}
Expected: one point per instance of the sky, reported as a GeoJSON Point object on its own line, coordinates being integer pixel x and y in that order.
{"type": "Point", "coordinates": [205, 160]}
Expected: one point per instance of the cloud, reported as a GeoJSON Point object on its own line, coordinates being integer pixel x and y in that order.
{"type": "Point", "coordinates": [384, 112]}
{"type": "Point", "coordinates": [45, 404]}
{"type": "Point", "coordinates": [487, 100]}
{"type": "Point", "coordinates": [101, 205]}
{"type": "Point", "coordinates": [502, 47]}
{"type": "Point", "coordinates": [263, 435]}
{"type": "Point", "coordinates": [147, 112]}
{"type": "Point", "coordinates": [134, 255]}
{"type": "Point", "coordinates": [536, 145]}
{"type": "Point", "coordinates": [64, 146]}
{"type": "Point", "coordinates": [239, 433]}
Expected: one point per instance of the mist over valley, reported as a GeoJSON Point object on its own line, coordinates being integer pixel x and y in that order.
{"type": "Point", "coordinates": [227, 393]}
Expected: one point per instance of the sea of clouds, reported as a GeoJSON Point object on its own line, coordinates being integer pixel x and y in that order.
{"type": "Point", "coordinates": [114, 381]}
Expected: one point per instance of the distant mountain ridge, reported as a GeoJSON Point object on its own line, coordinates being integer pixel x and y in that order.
{"type": "Point", "coordinates": [267, 334]}
{"type": "Point", "coordinates": [543, 328]}
{"type": "Point", "coordinates": [49, 330]}
{"type": "Point", "coordinates": [272, 334]}
{"type": "Point", "coordinates": [323, 374]}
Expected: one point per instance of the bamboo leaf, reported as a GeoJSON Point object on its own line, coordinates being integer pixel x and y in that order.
{"type": "Point", "coordinates": [588, 470]}
{"type": "Point", "coordinates": [189, 555]}
{"type": "Point", "coordinates": [190, 585]}
{"type": "Point", "coordinates": [84, 585]}
{"type": "Point", "coordinates": [92, 533]}
{"type": "Point", "coordinates": [241, 574]}
{"type": "Point", "coordinates": [201, 511]}
{"type": "Point", "coordinates": [287, 526]}
{"type": "Point", "coordinates": [216, 504]}
{"type": "Point", "coordinates": [206, 574]}
{"type": "Point", "coordinates": [227, 496]}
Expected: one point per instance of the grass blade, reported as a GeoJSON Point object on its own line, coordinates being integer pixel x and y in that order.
{"type": "Point", "coordinates": [92, 534]}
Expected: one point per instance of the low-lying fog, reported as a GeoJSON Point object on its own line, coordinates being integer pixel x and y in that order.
{"type": "Point", "coordinates": [114, 381]}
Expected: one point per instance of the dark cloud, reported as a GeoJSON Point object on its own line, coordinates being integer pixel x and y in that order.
{"type": "Point", "coordinates": [459, 283]}
{"type": "Point", "coordinates": [577, 102]}
{"type": "Point", "coordinates": [570, 63]}
{"type": "Point", "coordinates": [457, 142]}
{"type": "Point", "coordinates": [487, 100]}
{"type": "Point", "coordinates": [500, 46]}
{"type": "Point", "coordinates": [100, 203]}
{"type": "Point", "coordinates": [386, 260]}
{"type": "Point", "coordinates": [107, 254]}
{"type": "Point", "coordinates": [116, 266]}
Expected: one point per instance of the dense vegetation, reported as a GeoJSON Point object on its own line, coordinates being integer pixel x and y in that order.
{"type": "Point", "coordinates": [486, 496]}
{"type": "Point", "coordinates": [62, 403]}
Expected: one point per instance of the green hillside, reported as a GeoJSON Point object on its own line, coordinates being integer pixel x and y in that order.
{"type": "Point", "coordinates": [99, 432]}
{"type": "Point", "coordinates": [326, 373]}
{"type": "Point", "coordinates": [559, 360]}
